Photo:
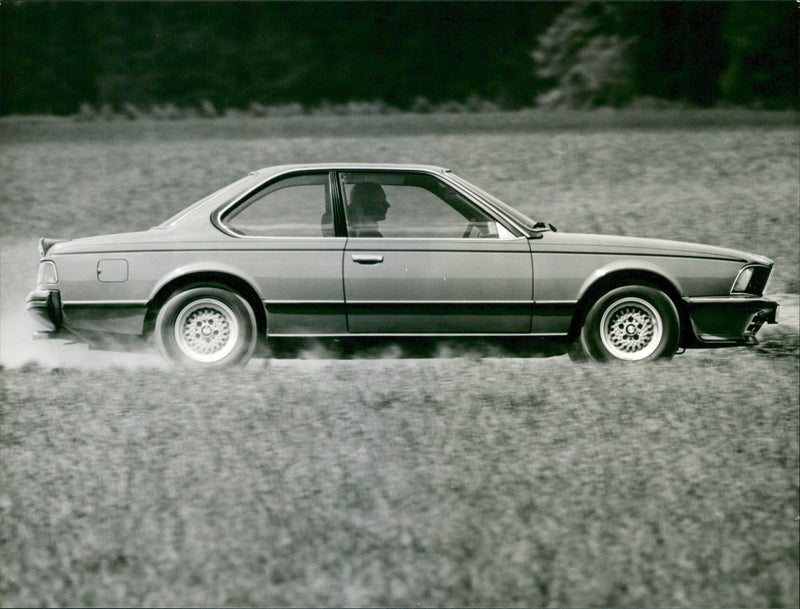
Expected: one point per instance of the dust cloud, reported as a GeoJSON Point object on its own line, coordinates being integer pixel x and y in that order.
{"type": "Point", "coordinates": [19, 261]}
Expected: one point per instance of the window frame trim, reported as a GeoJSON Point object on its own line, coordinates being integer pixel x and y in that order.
{"type": "Point", "coordinates": [487, 210]}
{"type": "Point", "coordinates": [218, 214]}
{"type": "Point", "coordinates": [337, 204]}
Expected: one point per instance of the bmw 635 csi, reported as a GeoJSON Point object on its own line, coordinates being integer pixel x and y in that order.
{"type": "Point", "coordinates": [355, 250]}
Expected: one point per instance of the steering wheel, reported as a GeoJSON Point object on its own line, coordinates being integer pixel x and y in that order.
{"type": "Point", "coordinates": [478, 225]}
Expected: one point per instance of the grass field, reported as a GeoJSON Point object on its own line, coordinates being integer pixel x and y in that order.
{"type": "Point", "coordinates": [452, 480]}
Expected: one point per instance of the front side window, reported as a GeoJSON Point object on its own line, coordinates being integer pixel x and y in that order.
{"type": "Point", "coordinates": [412, 205]}
{"type": "Point", "coordinates": [296, 206]}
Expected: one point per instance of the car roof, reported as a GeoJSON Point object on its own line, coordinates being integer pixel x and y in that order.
{"type": "Point", "coordinates": [277, 169]}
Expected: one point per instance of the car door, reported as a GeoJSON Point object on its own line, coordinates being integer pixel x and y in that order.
{"type": "Point", "coordinates": [421, 258]}
{"type": "Point", "coordinates": [285, 239]}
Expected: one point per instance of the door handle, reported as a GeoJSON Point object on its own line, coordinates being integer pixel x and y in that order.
{"type": "Point", "coordinates": [367, 258]}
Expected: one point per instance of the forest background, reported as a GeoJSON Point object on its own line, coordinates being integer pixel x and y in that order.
{"type": "Point", "coordinates": [210, 58]}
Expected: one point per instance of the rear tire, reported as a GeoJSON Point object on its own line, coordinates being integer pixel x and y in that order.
{"type": "Point", "coordinates": [206, 327]}
{"type": "Point", "coordinates": [631, 324]}
{"type": "Point", "coordinates": [576, 353]}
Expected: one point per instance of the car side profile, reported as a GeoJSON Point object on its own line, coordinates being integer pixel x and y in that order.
{"type": "Point", "coordinates": [384, 250]}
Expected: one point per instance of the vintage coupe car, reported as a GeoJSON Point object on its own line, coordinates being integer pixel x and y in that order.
{"type": "Point", "coordinates": [357, 250]}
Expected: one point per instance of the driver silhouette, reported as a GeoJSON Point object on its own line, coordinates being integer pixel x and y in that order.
{"type": "Point", "coordinates": [367, 207]}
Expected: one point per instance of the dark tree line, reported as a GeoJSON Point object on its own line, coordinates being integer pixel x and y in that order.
{"type": "Point", "coordinates": [699, 52]}
{"type": "Point", "coordinates": [56, 56]}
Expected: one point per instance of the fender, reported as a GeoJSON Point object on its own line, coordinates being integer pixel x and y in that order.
{"type": "Point", "coordinates": [629, 265]}
{"type": "Point", "coordinates": [204, 266]}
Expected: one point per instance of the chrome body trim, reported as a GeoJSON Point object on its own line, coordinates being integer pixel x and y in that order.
{"type": "Point", "coordinates": [420, 302]}
{"type": "Point", "coordinates": [216, 215]}
{"type": "Point", "coordinates": [440, 173]}
{"type": "Point", "coordinates": [302, 302]}
{"type": "Point", "coordinates": [476, 196]}
{"type": "Point", "coordinates": [734, 299]}
{"type": "Point", "coordinates": [424, 334]}
{"type": "Point", "coordinates": [105, 303]}
{"type": "Point", "coordinates": [555, 302]}
{"type": "Point", "coordinates": [440, 302]}
{"type": "Point", "coordinates": [367, 258]}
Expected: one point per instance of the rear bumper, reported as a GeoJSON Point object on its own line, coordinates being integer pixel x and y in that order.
{"type": "Point", "coordinates": [44, 306]}
{"type": "Point", "coordinates": [730, 319]}
{"type": "Point", "coordinates": [81, 318]}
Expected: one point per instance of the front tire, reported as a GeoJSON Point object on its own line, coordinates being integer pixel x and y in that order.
{"type": "Point", "coordinates": [631, 324]}
{"type": "Point", "coordinates": [206, 327]}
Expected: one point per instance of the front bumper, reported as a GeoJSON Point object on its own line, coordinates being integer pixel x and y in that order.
{"type": "Point", "coordinates": [730, 319]}
{"type": "Point", "coordinates": [44, 306]}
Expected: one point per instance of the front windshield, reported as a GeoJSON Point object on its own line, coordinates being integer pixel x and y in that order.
{"type": "Point", "coordinates": [505, 208]}
{"type": "Point", "coordinates": [224, 195]}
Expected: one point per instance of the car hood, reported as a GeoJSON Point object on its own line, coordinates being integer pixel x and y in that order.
{"type": "Point", "coordinates": [607, 244]}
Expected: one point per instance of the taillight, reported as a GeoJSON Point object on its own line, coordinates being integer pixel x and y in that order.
{"type": "Point", "coordinates": [47, 273]}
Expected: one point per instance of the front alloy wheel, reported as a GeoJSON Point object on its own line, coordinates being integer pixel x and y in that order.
{"type": "Point", "coordinates": [206, 327]}
{"type": "Point", "coordinates": [631, 323]}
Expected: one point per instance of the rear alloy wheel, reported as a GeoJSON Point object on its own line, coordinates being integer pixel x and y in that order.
{"type": "Point", "coordinates": [206, 327]}
{"type": "Point", "coordinates": [631, 324]}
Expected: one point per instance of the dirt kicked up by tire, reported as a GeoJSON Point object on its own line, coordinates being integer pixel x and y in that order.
{"type": "Point", "coordinates": [207, 327]}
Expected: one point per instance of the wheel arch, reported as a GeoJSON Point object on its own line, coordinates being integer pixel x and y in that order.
{"type": "Point", "coordinates": [630, 276]}
{"type": "Point", "coordinates": [216, 278]}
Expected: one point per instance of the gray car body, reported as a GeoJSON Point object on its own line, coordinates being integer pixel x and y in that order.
{"type": "Point", "coordinates": [536, 283]}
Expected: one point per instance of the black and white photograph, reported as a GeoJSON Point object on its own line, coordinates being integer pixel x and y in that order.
{"type": "Point", "coordinates": [400, 304]}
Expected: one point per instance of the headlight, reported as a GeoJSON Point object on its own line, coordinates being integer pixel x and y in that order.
{"type": "Point", "coordinates": [47, 273]}
{"type": "Point", "coordinates": [743, 280]}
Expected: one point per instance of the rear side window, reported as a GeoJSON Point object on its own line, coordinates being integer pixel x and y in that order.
{"type": "Point", "coordinates": [296, 206]}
